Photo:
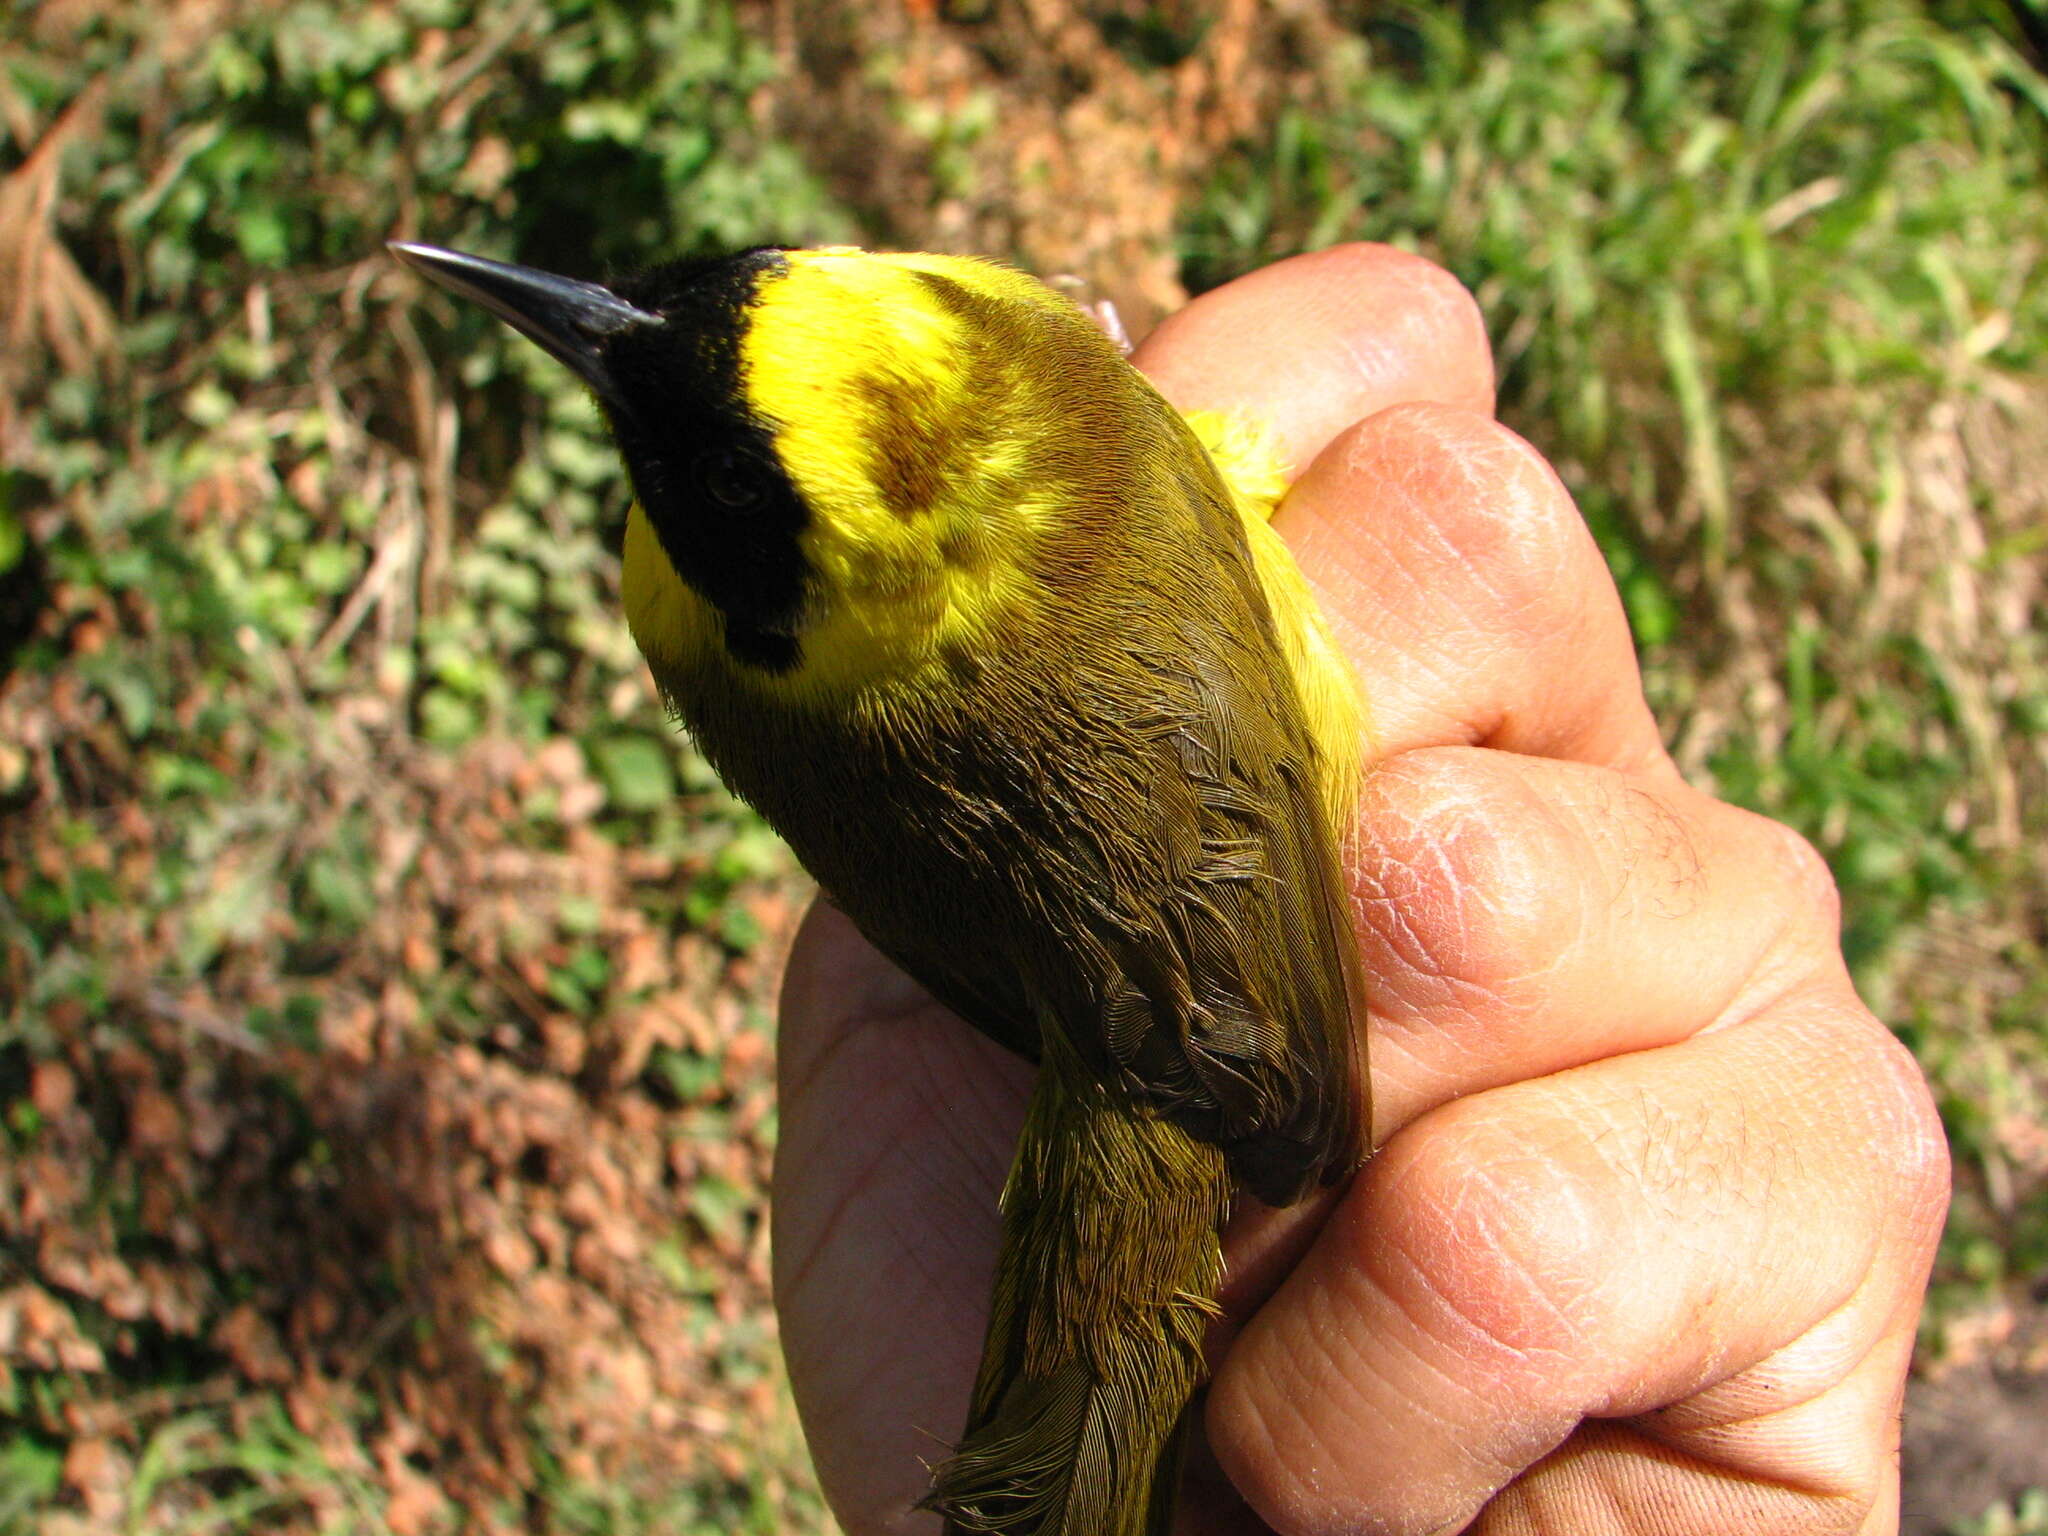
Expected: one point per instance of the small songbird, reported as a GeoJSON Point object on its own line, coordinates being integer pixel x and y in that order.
{"type": "Point", "coordinates": [945, 589]}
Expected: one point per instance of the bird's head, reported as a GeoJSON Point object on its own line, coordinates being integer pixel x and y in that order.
{"type": "Point", "coordinates": [847, 466]}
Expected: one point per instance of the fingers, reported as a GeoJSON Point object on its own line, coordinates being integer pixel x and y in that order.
{"type": "Point", "coordinates": [1740, 1220]}
{"type": "Point", "coordinates": [897, 1122]}
{"type": "Point", "coordinates": [1468, 592]}
{"type": "Point", "coordinates": [1465, 586]}
{"type": "Point", "coordinates": [1648, 1146]}
{"type": "Point", "coordinates": [1311, 344]}
{"type": "Point", "coordinates": [1520, 917]}
{"type": "Point", "coordinates": [1808, 1467]}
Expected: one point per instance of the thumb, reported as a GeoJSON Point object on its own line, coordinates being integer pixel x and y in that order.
{"type": "Point", "coordinates": [896, 1126]}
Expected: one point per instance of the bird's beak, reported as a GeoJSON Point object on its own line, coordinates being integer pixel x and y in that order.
{"type": "Point", "coordinates": [573, 320]}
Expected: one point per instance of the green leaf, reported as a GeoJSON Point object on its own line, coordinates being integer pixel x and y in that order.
{"type": "Point", "coordinates": [31, 1470]}
{"type": "Point", "coordinates": [635, 770]}
{"type": "Point", "coordinates": [129, 688]}
{"type": "Point", "coordinates": [13, 537]}
{"type": "Point", "coordinates": [448, 719]}
{"type": "Point", "coordinates": [330, 567]}
{"type": "Point", "coordinates": [691, 1078]}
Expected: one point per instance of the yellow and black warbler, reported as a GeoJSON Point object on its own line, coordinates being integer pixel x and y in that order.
{"type": "Point", "coordinates": [943, 587]}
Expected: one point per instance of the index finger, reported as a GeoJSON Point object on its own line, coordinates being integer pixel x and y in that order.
{"type": "Point", "coordinates": [1449, 559]}
{"type": "Point", "coordinates": [1314, 343]}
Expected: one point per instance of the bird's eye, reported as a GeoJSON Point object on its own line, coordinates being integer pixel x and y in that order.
{"type": "Point", "coordinates": [732, 478]}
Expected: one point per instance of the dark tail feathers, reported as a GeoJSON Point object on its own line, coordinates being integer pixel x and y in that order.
{"type": "Point", "coordinates": [1104, 1288]}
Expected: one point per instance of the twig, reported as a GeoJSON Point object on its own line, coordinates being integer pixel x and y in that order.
{"type": "Point", "coordinates": [201, 1021]}
{"type": "Point", "coordinates": [393, 555]}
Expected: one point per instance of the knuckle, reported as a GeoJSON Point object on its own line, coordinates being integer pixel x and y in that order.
{"type": "Point", "coordinates": [1808, 877]}
{"type": "Point", "coordinates": [1456, 889]}
{"type": "Point", "coordinates": [1917, 1149]}
{"type": "Point", "coordinates": [1496, 505]}
{"type": "Point", "coordinates": [1492, 1236]}
{"type": "Point", "coordinates": [1425, 286]}
{"type": "Point", "coordinates": [1793, 892]}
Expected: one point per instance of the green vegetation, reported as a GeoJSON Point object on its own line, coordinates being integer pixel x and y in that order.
{"type": "Point", "coordinates": [357, 904]}
{"type": "Point", "coordinates": [383, 989]}
{"type": "Point", "coordinates": [2025, 1516]}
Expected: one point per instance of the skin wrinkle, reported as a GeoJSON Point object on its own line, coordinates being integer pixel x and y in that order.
{"type": "Point", "coordinates": [1261, 1440]}
{"type": "Point", "coordinates": [1761, 1207]}
{"type": "Point", "coordinates": [1464, 878]}
{"type": "Point", "coordinates": [1407, 916]}
{"type": "Point", "coordinates": [1772, 1174]}
{"type": "Point", "coordinates": [1797, 1035]}
{"type": "Point", "coordinates": [1753, 1439]}
{"type": "Point", "coordinates": [1467, 1197]}
{"type": "Point", "coordinates": [1422, 877]}
{"type": "Point", "coordinates": [1494, 1458]}
{"type": "Point", "coordinates": [886, 998]}
{"type": "Point", "coordinates": [1849, 1500]}
{"type": "Point", "coordinates": [972, 1233]}
{"type": "Point", "coordinates": [1548, 932]}
{"type": "Point", "coordinates": [1516, 553]}
{"type": "Point", "coordinates": [1460, 559]}
{"type": "Point", "coordinates": [1415, 1405]}
{"type": "Point", "coordinates": [1791, 962]}
{"type": "Point", "coordinates": [1450, 1041]}
{"type": "Point", "coordinates": [1439, 563]}
{"type": "Point", "coordinates": [1680, 1162]}
{"type": "Point", "coordinates": [1688, 1312]}
{"type": "Point", "coordinates": [1609, 1465]}
{"type": "Point", "coordinates": [1668, 851]}
{"type": "Point", "coordinates": [798, 1077]}
{"type": "Point", "coordinates": [936, 1025]}
{"type": "Point", "coordinates": [1920, 1152]}
{"type": "Point", "coordinates": [842, 1387]}
{"type": "Point", "coordinates": [1407, 591]}
{"type": "Point", "coordinates": [1412, 1306]}
{"type": "Point", "coordinates": [1670, 1161]}
{"type": "Point", "coordinates": [1803, 1371]}
{"type": "Point", "coordinates": [1351, 1383]}
{"type": "Point", "coordinates": [997, 1114]}
{"type": "Point", "coordinates": [968, 1218]}
{"type": "Point", "coordinates": [817, 1240]}
{"type": "Point", "coordinates": [1368, 359]}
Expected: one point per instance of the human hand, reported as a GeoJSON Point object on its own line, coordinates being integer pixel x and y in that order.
{"type": "Point", "coordinates": [1644, 1244]}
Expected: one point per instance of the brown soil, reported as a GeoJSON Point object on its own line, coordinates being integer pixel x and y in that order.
{"type": "Point", "coordinates": [1977, 1432]}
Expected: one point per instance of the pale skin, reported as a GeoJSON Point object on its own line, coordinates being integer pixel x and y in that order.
{"type": "Point", "coordinates": [1644, 1242]}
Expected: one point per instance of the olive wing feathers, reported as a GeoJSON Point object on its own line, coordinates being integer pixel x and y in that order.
{"type": "Point", "coordinates": [1148, 866]}
{"type": "Point", "coordinates": [1234, 1009]}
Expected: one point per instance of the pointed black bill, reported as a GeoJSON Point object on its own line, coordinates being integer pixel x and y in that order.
{"type": "Point", "coordinates": [573, 320]}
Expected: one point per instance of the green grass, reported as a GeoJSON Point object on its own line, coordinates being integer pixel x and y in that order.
{"type": "Point", "coordinates": [2026, 1515]}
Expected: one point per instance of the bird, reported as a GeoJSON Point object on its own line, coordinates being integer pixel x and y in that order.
{"type": "Point", "coordinates": [1005, 648]}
